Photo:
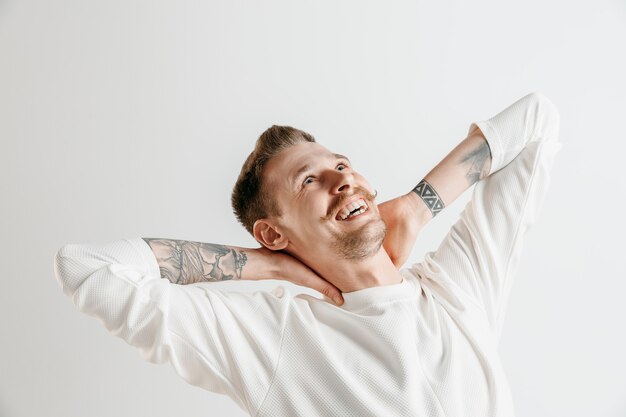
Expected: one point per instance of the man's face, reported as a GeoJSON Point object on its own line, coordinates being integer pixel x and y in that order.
{"type": "Point", "coordinates": [313, 186]}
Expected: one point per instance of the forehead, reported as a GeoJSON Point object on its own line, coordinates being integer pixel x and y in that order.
{"type": "Point", "coordinates": [279, 170]}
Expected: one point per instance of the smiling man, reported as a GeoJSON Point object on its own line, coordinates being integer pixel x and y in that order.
{"type": "Point", "coordinates": [418, 341]}
{"type": "Point", "coordinates": [328, 218]}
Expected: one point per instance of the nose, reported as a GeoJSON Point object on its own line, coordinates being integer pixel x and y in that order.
{"type": "Point", "coordinates": [343, 182]}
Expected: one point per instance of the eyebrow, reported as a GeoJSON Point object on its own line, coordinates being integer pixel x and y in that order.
{"type": "Point", "coordinates": [306, 167]}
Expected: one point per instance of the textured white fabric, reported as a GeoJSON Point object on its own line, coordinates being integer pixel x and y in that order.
{"type": "Point", "coordinates": [424, 347]}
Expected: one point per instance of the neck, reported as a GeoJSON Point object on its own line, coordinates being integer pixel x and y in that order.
{"type": "Point", "coordinates": [354, 275]}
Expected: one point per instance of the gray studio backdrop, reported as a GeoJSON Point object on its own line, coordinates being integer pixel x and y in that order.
{"type": "Point", "coordinates": [132, 118]}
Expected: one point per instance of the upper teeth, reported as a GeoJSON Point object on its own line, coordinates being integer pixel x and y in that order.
{"type": "Point", "coordinates": [344, 213]}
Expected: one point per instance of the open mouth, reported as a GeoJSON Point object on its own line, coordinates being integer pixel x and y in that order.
{"type": "Point", "coordinates": [352, 210]}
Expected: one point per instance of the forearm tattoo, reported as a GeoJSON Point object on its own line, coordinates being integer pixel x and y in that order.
{"type": "Point", "coordinates": [185, 262]}
{"type": "Point", "coordinates": [430, 197]}
{"type": "Point", "coordinates": [480, 162]}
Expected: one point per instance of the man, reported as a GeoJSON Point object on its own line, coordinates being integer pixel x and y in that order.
{"type": "Point", "coordinates": [404, 342]}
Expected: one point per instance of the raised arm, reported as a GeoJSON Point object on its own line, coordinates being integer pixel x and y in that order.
{"type": "Point", "coordinates": [490, 146]}
{"type": "Point", "coordinates": [204, 332]}
{"type": "Point", "coordinates": [466, 164]}
{"type": "Point", "coordinates": [186, 262]}
{"type": "Point", "coordinates": [478, 259]}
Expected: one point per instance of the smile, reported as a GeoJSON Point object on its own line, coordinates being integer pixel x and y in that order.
{"type": "Point", "coordinates": [352, 210]}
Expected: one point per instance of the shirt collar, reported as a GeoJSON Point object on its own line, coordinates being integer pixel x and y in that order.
{"type": "Point", "coordinates": [380, 294]}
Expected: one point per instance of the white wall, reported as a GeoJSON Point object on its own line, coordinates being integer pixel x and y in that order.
{"type": "Point", "coordinates": [132, 118]}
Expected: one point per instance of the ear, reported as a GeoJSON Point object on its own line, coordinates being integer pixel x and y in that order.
{"type": "Point", "coordinates": [269, 235]}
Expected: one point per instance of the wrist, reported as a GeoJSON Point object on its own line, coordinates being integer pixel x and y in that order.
{"type": "Point", "coordinates": [257, 264]}
{"type": "Point", "coordinates": [268, 264]}
{"type": "Point", "coordinates": [420, 211]}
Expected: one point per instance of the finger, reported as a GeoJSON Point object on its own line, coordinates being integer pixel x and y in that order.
{"type": "Point", "coordinates": [329, 291]}
{"type": "Point", "coordinates": [305, 276]}
{"type": "Point", "coordinates": [326, 288]}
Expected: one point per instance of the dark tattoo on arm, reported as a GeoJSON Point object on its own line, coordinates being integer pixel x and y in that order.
{"type": "Point", "coordinates": [430, 197]}
{"type": "Point", "coordinates": [185, 262]}
{"type": "Point", "coordinates": [480, 162]}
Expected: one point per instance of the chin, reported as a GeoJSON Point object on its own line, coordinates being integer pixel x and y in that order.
{"type": "Point", "coordinates": [360, 243]}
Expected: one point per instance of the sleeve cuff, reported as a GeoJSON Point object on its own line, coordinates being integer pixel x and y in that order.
{"type": "Point", "coordinates": [493, 140]}
{"type": "Point", "coordinates": [146, 254]}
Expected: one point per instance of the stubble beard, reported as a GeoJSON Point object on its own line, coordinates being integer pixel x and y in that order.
{"type": "Point", "coordinates": [360, 243]}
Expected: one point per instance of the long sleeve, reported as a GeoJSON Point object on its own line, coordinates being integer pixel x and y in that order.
{"type": "Point", "coordinates": [224, 342]}
{"type": "Point", "coordinates": [532, 118]}
{"type": "Point", "coordinates": [479, 257]}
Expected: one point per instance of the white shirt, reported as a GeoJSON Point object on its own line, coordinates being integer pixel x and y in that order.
{"type": "Point", "coordinates": [427, 346]}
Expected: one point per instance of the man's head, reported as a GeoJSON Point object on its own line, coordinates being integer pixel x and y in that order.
{"type": "Point", "coordinates": [292, 193]}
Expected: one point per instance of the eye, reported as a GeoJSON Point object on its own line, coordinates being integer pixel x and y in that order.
{"type": "Point", "coordinates": [341, 164]}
